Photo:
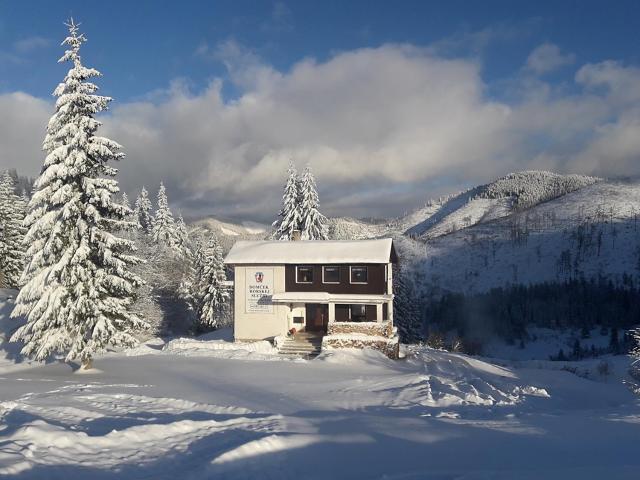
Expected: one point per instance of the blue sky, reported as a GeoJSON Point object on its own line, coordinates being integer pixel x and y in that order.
{"type": "Point", "coordinates": [142, 45]}
{"type": "Point", "coordinates": [389, 102]}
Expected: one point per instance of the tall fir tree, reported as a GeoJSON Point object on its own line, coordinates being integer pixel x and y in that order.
{"type": "Point", "coordinates": [212, 295]}
{"type": "Point", "coordinates": [290, 213]}
{"type": "Point", "coordinates": [143, 214]}
{"type": "Point", "coordinates": [78, 286]}
{"type": "Point", "coordinates": [12, 232]}
{"type": "Point", "coordinates": [164, 225]}
{"type": "Point", "coordinates": [312, 223]}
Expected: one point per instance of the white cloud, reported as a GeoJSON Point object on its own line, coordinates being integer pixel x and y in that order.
{"type": "Point", "coordinates": [383, 129]}
{"type": "Point", "coordinates": [23, 120]}
{"type": "Point", "coordinates": [29, 44]}
{"type": "Point", "coordinates": [547, 58]}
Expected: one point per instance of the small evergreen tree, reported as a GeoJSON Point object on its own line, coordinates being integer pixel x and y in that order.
{"type": "Point", "coordinates": [190, 283]}
{"type": "Point", "coordinates": [212, 295]}
{"type": "Point", "coordinates": [312, 223]}
{"type": "Point", "coordinates": [143, 214]}
{"type": "Point", "coordinates": [131, 222]}
{"type": "Point", "coordinates": [164, 225]}
{"type": "Point", "coordinates": [125, 201]}
{"type": "Point", "coordinates": [12, 213]}
{"type": "Point", "coordinates": [182, 238]}
{"type": "Point", "coordinates": [290, 213]}
{"type": "Point", "coordinates": [78, 284]}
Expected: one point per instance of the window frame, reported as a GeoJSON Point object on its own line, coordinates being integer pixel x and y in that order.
{"type": "Point", "coordinates": [310, 267]}
{"type": "Point", "coordinates": [366, 269]}
{"type": "Point", "coordinates": [339, 275]}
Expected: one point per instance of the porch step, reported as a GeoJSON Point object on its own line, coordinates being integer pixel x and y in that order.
{"type": "Point", "coordinates": [302, 345]}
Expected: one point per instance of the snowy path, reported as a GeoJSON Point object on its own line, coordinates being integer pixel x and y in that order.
{"type": "Point", "coordinates": [345, 416]}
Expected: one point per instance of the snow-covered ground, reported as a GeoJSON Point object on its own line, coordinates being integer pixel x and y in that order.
{"type": "Point", "coordinates": [207, 408]}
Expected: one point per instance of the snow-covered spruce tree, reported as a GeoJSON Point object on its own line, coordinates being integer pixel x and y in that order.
{"type": "Point", "coordinates": [125, 201]}
{"type": "Point", "coordinates": [211, 295]}
{"type": "Point", "coordinates": [289, 216]}
{"type": "Point", "coordinates": [12, 214]}
{"type": "Point", "coordinates": [189, 285]}
{"type": "Point", "coordinates": [312, 223]}
{"type": "Point", "coordinates": [143, 213]}
{"type": "Point", "coordinates": [78, 286]}
{"type": "Point", "coordinates": [182, 238]}
{"type": "Point", "coordinates": [131, 222]}
{"type": "Point", "coordinates": [164, 225]}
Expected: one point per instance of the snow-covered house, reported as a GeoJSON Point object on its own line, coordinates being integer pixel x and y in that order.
{"type": "Point", "coordinates": [340, 290]}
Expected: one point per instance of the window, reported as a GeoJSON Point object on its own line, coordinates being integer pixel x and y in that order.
{"type": "Point", "coordinates": [304, 274]}
{"type": "Point", "coordinates": [358, 313]}
{"type": "Point", "coordinates": [330, 274]}
{"type": "Point", "coordinates": [343, 313]}
{"type": "Point", "coordinates": [359, 274]}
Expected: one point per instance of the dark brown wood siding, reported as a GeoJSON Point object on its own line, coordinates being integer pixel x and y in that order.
{"type": "Point", "coordinates": [376, 281]}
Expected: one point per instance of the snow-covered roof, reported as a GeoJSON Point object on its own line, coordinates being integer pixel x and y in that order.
{"type": "Point", "coordinates": [312, 252]}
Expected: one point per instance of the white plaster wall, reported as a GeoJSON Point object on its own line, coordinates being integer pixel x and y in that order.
{"type": "Point", "coordinates": [258, 326]}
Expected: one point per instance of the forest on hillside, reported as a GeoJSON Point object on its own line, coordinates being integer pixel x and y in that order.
{"type": "Point", "coordinates": [578, 304]}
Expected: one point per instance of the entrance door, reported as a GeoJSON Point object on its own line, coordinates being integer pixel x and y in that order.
{"type": "Point", "coordinates": [317, 317]}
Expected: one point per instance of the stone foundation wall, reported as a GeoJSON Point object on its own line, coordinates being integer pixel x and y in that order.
{"type": "Point", "coordinates": [391, 347]}
{"type": "Point", "coordinates": [383, 329]}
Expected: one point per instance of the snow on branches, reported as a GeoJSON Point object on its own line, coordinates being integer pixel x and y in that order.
{"type": "Point", "coordinates": [164, 225]}
{"type": "Point", "coordinates": [142, 212]}
{"type": "Point", "coordinates": [78, 283]}
{"type": "Point", "coordinates": [312, 222]}
{"type": "Point", "coordinates": [204, 290]}
{"type": "Point", "coordinates": [290, 213]}
{"type": "Point", "coordinates": [12, 213]}
{"type": "Point", "coordinates": [300, 208]}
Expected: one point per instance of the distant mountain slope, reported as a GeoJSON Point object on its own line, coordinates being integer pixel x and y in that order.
{"type": "Point", "coordinates": [228, 232]}
{"type": "Point", "coordinates": [511, 193]}
{"type": "Point", "coordinates": [346, 228]}
{"type": "Point", "coordinates": [590, 232]}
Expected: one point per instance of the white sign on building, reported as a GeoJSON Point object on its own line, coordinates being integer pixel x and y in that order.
{"type": "Point", "coordinates": [259, 290]}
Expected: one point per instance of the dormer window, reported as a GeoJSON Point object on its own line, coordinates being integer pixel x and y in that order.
{"type": "Point", "coordinates": [304, 274]}
{"type": "Point", "coordinates": [359, 275]}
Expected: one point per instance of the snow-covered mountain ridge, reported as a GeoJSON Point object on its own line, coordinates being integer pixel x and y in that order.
{"type": "Point", "coordinates": [524, 228]}
{"type": "Point", "coordinates": [587, 233]}
{"type": "Point", "coordinates": [512, 193]}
